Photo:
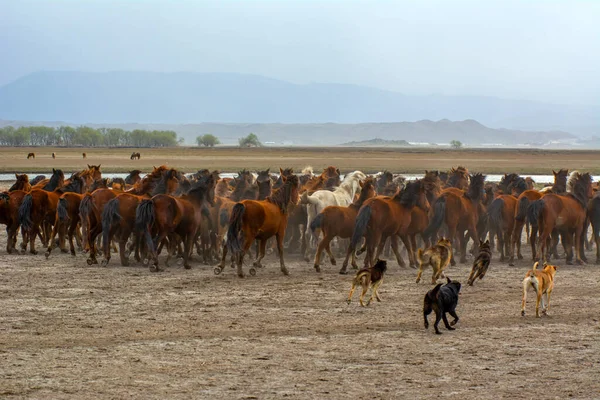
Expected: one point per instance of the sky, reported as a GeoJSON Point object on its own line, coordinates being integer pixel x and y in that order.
{"type": "Point", "coordinates": [537, 50]}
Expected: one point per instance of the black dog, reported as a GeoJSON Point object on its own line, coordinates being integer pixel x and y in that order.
{"type": "Point", "coordinates": [442, 299]}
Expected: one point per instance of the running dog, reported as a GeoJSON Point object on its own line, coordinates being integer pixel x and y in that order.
{"type": "Point", "coordinates": [371, 276]}
{"type": "Point", "coordinates": [438, 256]}
{"type": "Point", "coordinates": [442, 299]}
{"type": "Point", "coordinates": [543, 283]}
{"type": "Point", "coordinates": [481, 263]}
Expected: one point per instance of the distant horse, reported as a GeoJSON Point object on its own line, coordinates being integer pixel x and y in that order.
{"type": "Point", "coordinates": [460, 210]}
{"type": "Point", "coordinates": [53, 155]}
{"type": "Point", "coordinates": [261, 220]}
{"type": "Point", "coordinates": [342, 196]}
{"type": "Point", "coordinates": [166, 217]}
{"type": "Point", "coordinates": [567, 213]}
{"type": "Point", "coordinates": [30, 155]}
{"type": "Point", "coordinates": [338, 221]}
{"type": "Point", "coordinates": [382, 217]}
{"type": "Point", "coordinates": [523, 202]}
{"type": "Point", "coordinates": [134, 156]}
{"type": "Point", "coordinates": [22, 183]}
{"type": "Point", "coordinates": [84, 155]}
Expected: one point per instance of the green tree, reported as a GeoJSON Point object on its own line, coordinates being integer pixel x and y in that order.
{"type": "Point", "coordinates": [208, 140]}
{"type": "Point", "coordinates": [250, 141]}
{"type": "Point", "coordinates": [456, 144]}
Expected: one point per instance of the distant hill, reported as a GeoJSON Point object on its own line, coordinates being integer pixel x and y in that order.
{"type": "Point", "coordinates": [377, 142]}
{"type": "Point", "coordinates": [185, 98]}
{"type": "Point", "coordinates": [469, 132]}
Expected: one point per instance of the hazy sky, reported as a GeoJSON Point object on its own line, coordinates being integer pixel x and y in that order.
{"type": "Point", "coordinates": [540, 50]}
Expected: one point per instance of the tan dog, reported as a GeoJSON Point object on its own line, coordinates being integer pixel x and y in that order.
{"type": "Point", "coordinates": [543, 283]}
{"type": "Point", "coordinates": [372, 276]}
{"type": "Point", "coordinates": [438, 256]}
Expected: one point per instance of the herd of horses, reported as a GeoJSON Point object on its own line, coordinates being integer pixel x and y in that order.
{"type": "Point", "coordinates": [221, 218]}
{"type": "Point", "coordinates": [83, 155]}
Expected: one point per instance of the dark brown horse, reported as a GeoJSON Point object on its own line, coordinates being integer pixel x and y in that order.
{"type": "Point", "coordinates": [53, 155]}
{"type": "Point", "coordinates": [567, 213]}
{"type": "Point", "coordinates": [22, 183]}
{"type": "Point", "coordinates": [30, 155]}
{"type": "Point", "coordinates": [337, 221]}
{"type": "Point", "coordinates": [458, 178]}
{"type": "Point", "coordinates": [84, 155]}
{"type": "Point", "coordinates": [56, 180]}
{"type": "Point", "coordinates": [594, 218]}
{"type": "Point", "coordinates": [133, 177]}
{"type": "Point", "coordinates": [167, 217]}
{"type": "Point", "coordinates": [521, 214]}
{"type": "Point", "coordinates": [66, 223]}
{"type": "Point", "coordinates": [9, 209]}
{"type": "Point", "coordinates": [261, 220]}
{"type": "Point", "coordinates": [135, 155]}
{"type": "Point", "coordinates": [460, 211]}
{"type": "Point", "coordinates": [382, 217]}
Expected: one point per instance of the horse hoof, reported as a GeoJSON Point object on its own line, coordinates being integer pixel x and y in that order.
{"type": "Point", "coordinates": [217, 271]}
{"type": "Point", "coordinates": [34, 252]}
{"type": "Point", "coordinates": [317, 268]}
{"type": "Point", "coordinates": [520, 257]}
{"type": "Point", "coordinates": [180, 261]}
{"type": "Point", "coordinates": [511, 264]}
{"type": "Point", "coordinates": [89, 261]}
{"type": "Point", "coordinates": [47, 254]}
{"type": "Point", "coordinates": [333, 262]}
{"type": "Point", "coordinates": [343, 272]}
{"type": "Point", "coordinates": [252, 271]}
{"type": "Point", "coordinates": [104, 263]}
{"type": "Point", "coordinates": [241, 275]}
{"type": "Point", "coordinates": [146, 262]}
{"type": "Point", "coordinates": [64, 250]}
{"type": "Point", "coordinates": [569, 262]}
{"type": "Point", "coordinates": [285, 272]}
{"type": "Point", "coordinates": [187, 266]}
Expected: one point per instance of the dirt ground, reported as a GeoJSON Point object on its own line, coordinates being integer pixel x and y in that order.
{"type": "Point", "coordinates": [68, 330]}
{"type": "Point", "coordinates": [368, 160]}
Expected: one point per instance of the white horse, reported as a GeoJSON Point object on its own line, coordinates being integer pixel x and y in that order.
{"type": "Point", "coordinates": [341, 196]}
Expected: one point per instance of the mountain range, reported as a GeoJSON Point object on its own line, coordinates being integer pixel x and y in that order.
{"type": "Point", "coordinates": [228, 98]}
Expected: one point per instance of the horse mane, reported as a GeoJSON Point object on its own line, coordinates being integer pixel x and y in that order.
{"type": "Point", "coordinates": [519, 185]}
{"type": "Point", "coordinates": [264, 184]}
{"type": "Point", "coordinates": [132, 174]}
{"type": "Point", "coordinates": [475, 190]}
{"type": "Point", "coordinates": [76, 184]}
{"type": "Point", "coordinates": [579, 185]}
{"type": "Point", "coordinates": [101, 183]}
{"type": "Point", "coordinates": [367, 184]}
{"type": "Point", "coordinates": [279, 182]}
{"type": "Point", "coordinates": [308, 170]}
{"type": "Point", "coordinates": [37, 179]}
{"type": "Point", "coordinates": [432, 185]}
{"type": "Point", "coordinates": [201, 190]}
{"type": "Point", "coordinates": [56, 180]}
{"type": "Point", "coordinates": [282, 196]}
{"type": "Point", "coordinates": [162, 187]}
{"type": "Point", "coordinates": [506, 181]}
{"type": "Point", "coordinates": [409, 195]}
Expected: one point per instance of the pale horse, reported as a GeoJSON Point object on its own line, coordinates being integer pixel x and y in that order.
{"type": "Point", "coordinates": [341, 196]}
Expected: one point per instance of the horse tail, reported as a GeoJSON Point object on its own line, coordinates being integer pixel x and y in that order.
{"type": "Point", "coordinates": [144, 219]}
{"type": "Point", "coordinates": [317, 223]}
{"type": "Point", "coordinates": [110, 215]}
{"type": "Point", "coordinates": [360, 226]}
{"type": "Point", "coordinates": [439, 215]}
{"type": "Point", "coordinates": [534, 212]}
{"type": "Point", "coordinates": [594, 216]}
{"type": "Point", "coordinates": [522, 209]}
{"type": "Point", "coordinates": [235, 233]}
{"type": "Point", "coordinates": [61, 210]}
{"type": "Point", "coordinates": [25, 212]}
{"type": "Point", "coordinates": [308, 199]}
{"type": "Point", "coordinates": [494, 214]}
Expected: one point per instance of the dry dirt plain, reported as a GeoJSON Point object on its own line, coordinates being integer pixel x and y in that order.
{"type": "Point", "coordinates": [369, 160]}
{"type": "Point", "coordinates": [68, 330]}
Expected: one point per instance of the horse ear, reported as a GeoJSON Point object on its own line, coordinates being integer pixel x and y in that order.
{"type": "Point", "coordinates": [361, 184]}
{"type": "Point", "coordinates": [281, 172]}
{"type": "Point", "coordinates": [99, 166]}
{"type": "Point", "coordinates": [554, 172]}
{"type": "Point", "coordinates": [448, 279]}
{"type": "Point", "coordinates": [338, 171]}
{"type": "Point", "coordinates": [53, 170]}
{"type": "Point", "coordinates": [16, 176]}
{"type": "Point", "coordinates": [89, 166]}
{"type": "Point", "coordinates": [268, 169]}
{"type": "Point", "coordinates": [480, 242]}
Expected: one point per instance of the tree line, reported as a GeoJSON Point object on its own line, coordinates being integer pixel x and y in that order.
{"type": "Point", "coordinates": [86, 136]}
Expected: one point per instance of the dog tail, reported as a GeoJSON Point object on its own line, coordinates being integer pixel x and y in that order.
{"type": "Point", "coordinates": [439, 215]}
{"type": "Point", "coordinates": [534, 212]}
{"type": "Point", "coordinates": [522, 209]}
{"type": "Point", "coordinates": [537, 263]}
{"type": "Point", "coordinates": [360, 226]}
{"type": "Point", "coordinates": [420, 254]}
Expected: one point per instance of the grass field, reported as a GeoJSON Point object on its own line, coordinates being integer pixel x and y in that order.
{"type": "Point", "coordinates": [369, 160]}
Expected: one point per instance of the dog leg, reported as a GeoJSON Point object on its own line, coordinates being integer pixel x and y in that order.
{"type": "Point", "coordinates": [438, 318]}
{"type": "Point", "coordinates": [426, 311]}
{"type": "Point", "coordinates": [365, 281]}
{"type": "Point", "coordinates": [525, 287]}
{"type": "Point", "coordinates": [374, 292]}
{"type": "Point", "coordinates": [538, 300]}
{"type": "Point", "coordinates": [453, 313]}
{"type": "Point", "coordinates": [446, 322]}
{"type": "Point", "coordinates": [547, 305]}
{"type": "Point", "coordinates": [420, 272]}
{"type": "Point", "coordinates": [351, 292]}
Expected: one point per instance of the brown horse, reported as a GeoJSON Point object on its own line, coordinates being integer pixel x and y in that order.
{"type": "Point", "coordinates": [37, 212]}
{"type": "Point", "coordinates": [90, 213]}
{"type": "Point", "coordinates": [53, 155]}
{"type": "Point", "coordinates": [458, 178]}
{"type": "Point", "coordinates": [22, 183]}
{"type": "Point", "coordinates": [31, 155]}
{"type": "Point", "coordinates": [133, 177]}
{"type": "Point", "coordinates": [253, 219]}
{"type": "Point", "coordinates": [594, 218]}
{"type": "Point", "coordinates": [9, 208]}
{"type": "Point", "coordinates": [135, 155]}
{"type": "Point", "coordinates": [383, 182]}
{"type": "Point", "coordinates": [84, 155]}
{"type": "Point", "coordinates": [501, 213]}
{"type": "Point", "coordinates": [521, 215]}
{"type": "Point", "coordinates": [66, 222]}
{"type": "Point", "coordinates": [460, 211]}
{"type": "Point", "coordinates": [567, 213]}
{"type": "Point", "coordinates": [337, 221]}
{"type": "Point", "coordinates": [382, 217]}
{"type": "Point", "coordinates": [56, 180]}
{"type": "Point", "coordinates": [165, 217]}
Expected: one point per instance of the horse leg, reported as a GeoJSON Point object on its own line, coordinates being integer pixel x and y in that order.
{"type": "Point", "coordinates": [534, 242]}
{"type": "Point", "coordinates": [262, 247]}
{"type": "Point", "coordinates": [396, 250]}
{"type": "Point", "coordinates": [320, 248]}
{"type": "Point", "coordinates": [413, 247]}
{"type": "Point", "coordinates": [188, 245]}
{"type": "Point", "coordinates": [53, 235]}
{"type": "Point", "coordinates": [578, 244]}
{"type": "Point", "coordinates": [279, 236]}
{"type": "Point", "coordinates": [123, 253]}
{"type": "Point", "coordinates": [451, 237]}
{"type": "Point", "coordinates": [527, 229]}
{"type": "Point", "coordinates": [330, 253]}
{"type": "Point", "coordinates": [409, 249]}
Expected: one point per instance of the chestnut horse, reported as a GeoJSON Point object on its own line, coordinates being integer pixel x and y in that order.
{"type": "Point", "coordinates": [31, 155]}
{"type": "Point", "coordinates": [66, 222]}
{"type": "Point", "coordinates": [253, 219]}
{"type": "Point", "coordinates": [9, 208]}
{"type": "Point", "coordinates": [338, 221]}
{"type": "Point", "coordinates": [381, 217]}
{"type": "Point", "coordinates": [567, 213]}
{"type": "Point", "coordinates": [22, 183]}
{"type": "Point", "coordinates": [521, 215]}
{"type": "Point", "coordinates": [168, 217]}
{"type": "Point", "coordinates": [460, 211]}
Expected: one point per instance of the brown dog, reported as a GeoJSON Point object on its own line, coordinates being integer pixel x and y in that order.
{"type": "Point", "coordinates": [438, 256]}
{"type": "Point", "coordinates": [543, 283]}
{"type": "Point", "coordinates": [372, 276]}
{"type": "Point", "coordinates": [481, 263]}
